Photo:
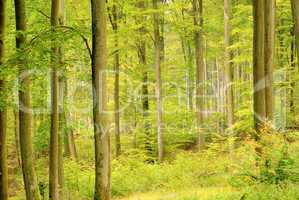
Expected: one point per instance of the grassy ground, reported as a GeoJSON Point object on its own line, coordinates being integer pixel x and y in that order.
{"type": "Point", "coordinates": [213, 174]}
{"type": "Point", "coordinates": [190, 194]}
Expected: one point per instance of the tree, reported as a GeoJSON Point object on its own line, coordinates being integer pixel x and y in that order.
{"type": "Point", "coordinates": [61, 95]}
{"type": "Point", "coordinates": [141, 50]}
{"type": "Point", "coordinates": [295, 10]}
{"type": "Point", "coordinates": [228, 64]}
{"type": "Point", "coordinates": [269, 57]}
{"type": "Point", "coordinates": [198, 28]}
{"type": "Point", "coordinates": [263, 61]}
{"type": "Point", "coordinates": [114, 17]}
{"type": "Point", "coordinates": [101, 132]}
{"type": "Point", "coordinates": [25, 107]}
{"type": "Point", "coordinates": [54, 137]}
{"type": "Point", "coordinates": [157, 63]}
{"type": "Point", "coordinates": [258, 64]}
{"type": "Point", "coordinates": [3, 112]}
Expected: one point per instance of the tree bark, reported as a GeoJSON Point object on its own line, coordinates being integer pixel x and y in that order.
{"type": "Point", "coordinates": [69, 139]}
{"type": "Point", "coordinates": [62, 111]}
{"type": "Point", "coordinates": [3, 113]}
{"type": "Point", "coordinates": [25, 106]}
{"type": "Point", "coordinates": [157, 63]}
{"type": "Point", "coordinates": [114, 23]}
{"type": "Point", "coordinates": [54, 137]}
{"type": "Point", "coordinates": [269, 57]}
{"type": "Point", "coordinates": [228, 65]}
{"type": "Point", "coordinates": [101, 132]}
{"type": "Point", "coordinates": [198, 28]}
{"type": "Point", "coordinates": [292, 85]}
{"type": "Point", "coordinates": [17, 136]}
{"type": "Point", "coordinates": [141, 50]}
{"type": "Point", "coordinates": [295, 9]}
{"type": "Point", "coordinates": [259, 64]}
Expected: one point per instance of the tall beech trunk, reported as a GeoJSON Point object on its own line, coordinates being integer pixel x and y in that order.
{"type": "Point", "coordinates": [259, 64]}
{"type": "Point", "coordinates": [269, 57]}
{"type": "Point", "coordinates": [114, 22]}
{"type": "Point", "coordinates": [295, 9]}
{"type": "Point", "coordinates": [228, 65]}
{"type": "Point", "coordinates": [61, 107]}
{"type": "Point", "coordinates": [54, 137]}
{"type": "Point", "coordinates": [198, 29]}
{"type": "Point", "coordinates": [101, 132]}
{"type": "Point", "coordinates": [157, 63]}
{"type": "Point", "coordinates": [25, 106]}
{"type": "Point", "coordinates": [3, 117]}
{"type": "Point", "coordinates": [141, 50]}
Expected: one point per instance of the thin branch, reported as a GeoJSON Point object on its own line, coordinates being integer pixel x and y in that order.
{"type": "Point", "coordinates": [44, 14]}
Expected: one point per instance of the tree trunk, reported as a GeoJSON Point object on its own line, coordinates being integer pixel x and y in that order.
{"type": "Point", "coordinates": [228, 65]}
{"type": "Point", "coordinates": [25, 109]}
{"type": "Point", "coordinates": [69, 139]}
{"type": "Point", "coordinates": [157, 63]}
{"type": "Point", "coordinates": [295, 9]}
{"type": "Point", "coordinates": [17, 136]}
{"type": "Point", "coordinates": [114, 23]}
{"type": "Point", "coordinates": [54, 137]}
{"type": "Point", "coordinates": [292, 85]}
{"type": "Point", "coordinates": [3, 117]}
{"type": "Point", "coordinates": [188, 58]}
{"type": "Point", "coordinates": [198, 28]}
{"type": "Point", "coordinates": [258, 64]}
{"type": "Point", "coordinates": [190, 72]}
{"type": "Point", "coordinates": [141, 48]}
{"type": "Point", "coordinates": [61, 108]}
{"type": "Point", "coordinates": [101, 131]}
{"type": "Point", "coordinates": [269, 57]}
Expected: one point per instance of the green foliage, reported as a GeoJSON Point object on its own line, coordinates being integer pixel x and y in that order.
{"type": "Point", "coordinates": [42, 137]}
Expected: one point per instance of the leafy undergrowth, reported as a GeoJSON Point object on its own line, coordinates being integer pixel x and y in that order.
{"type": "Point", "coordinates": [256, 192]}
{"type": "Point", "coordinates": [223, 171]}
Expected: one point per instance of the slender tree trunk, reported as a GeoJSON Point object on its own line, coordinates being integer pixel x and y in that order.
{"type": "Point", "coordinates": [157, 63]}
{"type": "Point", "coordinates": [190, 72]}
{"type": "Point", "coordinates": [61, 108]}
{"type": "Point", "coordinates": [101, 132]}
{"type": "Point", "coordinates": [292, 86]}
{"type": "Point", "coordinates": [142, 61]}
{"type": "Point", "coordinates": [228, 65]}
{"type": "Point", "coordinates": [283, 78]}
{"type": "Point", "coordinates": [114, 23]}
{"type": "Point", "coordinates": [295, 9]}
{"type": "Point", "coordinates": [258, 64]}
{"type": "Point", "coordinates": [198, 26]}
{"type": "Point", "coordinates": [17, 136]}
{"type": "Point", "coordinates": [162, 31]}
{"type": "Point", "coordinates": [3, 117]}
{"type": "Point", "coordinates": [25, 112]}
{"type": "Point", "coordinates": [269, 57]}
{"type": "Point", "coordinates": [69, 139]}
{"type": "Point", "coordinates": [187, 81]}
{"type": "Point", "coordinates": [54, 138]}
{"type": "Point", "coordinates": [188, 58]}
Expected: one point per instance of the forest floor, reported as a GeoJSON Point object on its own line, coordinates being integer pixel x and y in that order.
{"type": "Point", "coordinates": [204, 193]}
{"type": "Point", "coordinates": [213, 174]}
